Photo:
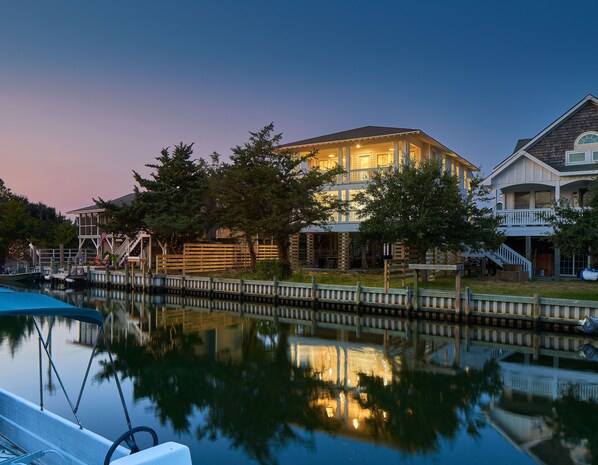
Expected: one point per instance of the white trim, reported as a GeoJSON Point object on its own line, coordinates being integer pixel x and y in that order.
{"type": "Point", "coordinates": [587, 133]}
{"type": "Point", "coordinates": [568, 153]}
{"type": "Point", "coordinates": [519, 154]}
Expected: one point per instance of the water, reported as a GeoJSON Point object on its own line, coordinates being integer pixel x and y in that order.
{"type": "Point", "coordinates": [264, 389]}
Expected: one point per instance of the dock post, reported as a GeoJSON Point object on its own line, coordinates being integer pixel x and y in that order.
{"type": "Point", "coordinates": [358, 296]}
{"type": "Point", "coordinates": [275, 289]}
{"type": "Point", "coordinates": [88, 275]}
{"type": "Point", "coordinates": [467, 303]}
{"type": "Point", "coordinates": [211, 287]}
{"type": "Point", "coordinates": [415, 303]}
{"type": "Point", "coordinates": [183, 279]}
{"type": "Point", "coordinates": [536, 311]}
{"type": "Point", "coordinates": [127, 277]}
{"type": "Point", "coordinates": [458, 292]}
{"type": "Point", "coordinates": [408, 301]}
{"type": "Point", "coordinates": [108, 278]}
{"type": "Point", "coordinates": [61, 256]}
{"type": "Point", "coordinates": [241, 285]}
{"type": "Point", "coordinates": [314, 291]}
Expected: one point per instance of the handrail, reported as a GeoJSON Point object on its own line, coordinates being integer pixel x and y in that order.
{"type": "Point", "coordinates": [508, 255]}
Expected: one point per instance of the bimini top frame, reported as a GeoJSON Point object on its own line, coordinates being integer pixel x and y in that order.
{"type": "Point", "coordinates": [35, 305]}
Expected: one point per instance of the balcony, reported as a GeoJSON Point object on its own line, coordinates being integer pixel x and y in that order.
{"type": "Point", "coordinates": [525, 217]}
{"type": "Point", "coordinates": [360, 175]}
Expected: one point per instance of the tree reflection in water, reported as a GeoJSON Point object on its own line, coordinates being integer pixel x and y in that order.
{"type": "Point", "coordinates": [14, 330]}
{"type": "Point", "coordinates": [261, 401]}
{"type": "Point", "coordinates": [575, 422]}
{"type": "Point", "coordinates": [419, 408]}
{"type": "Point", "coordinates": [255, 402]}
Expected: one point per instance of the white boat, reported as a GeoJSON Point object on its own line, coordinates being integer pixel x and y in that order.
{"type": "Point", "coordinates": [32, 433]}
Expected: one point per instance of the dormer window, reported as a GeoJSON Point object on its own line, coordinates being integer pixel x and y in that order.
{"type": "Point", "coordinates": [586, 150]}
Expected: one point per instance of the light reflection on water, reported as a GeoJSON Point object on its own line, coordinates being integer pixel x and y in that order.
{"type": "Point", "coordinates": [282, 385]}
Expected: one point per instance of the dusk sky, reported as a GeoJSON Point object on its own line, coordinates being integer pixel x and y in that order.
{"type": "Point", "coordinates": [90, 91]}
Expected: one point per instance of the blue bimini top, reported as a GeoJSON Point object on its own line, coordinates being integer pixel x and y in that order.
{"type": "Point", "coordinates": [30, 304]}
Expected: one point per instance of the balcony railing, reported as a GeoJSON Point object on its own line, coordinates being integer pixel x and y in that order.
{"type": "Point", "coordinates": [360, 175]}
{"type": "Point", "coordinates": [525, 217]}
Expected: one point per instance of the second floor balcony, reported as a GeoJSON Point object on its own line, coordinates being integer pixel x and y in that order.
{"type": "Point", "coordinates": [525, 217]}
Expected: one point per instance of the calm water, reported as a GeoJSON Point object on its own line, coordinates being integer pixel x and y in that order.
{"type": "Point", "coordinates": [253, 389]}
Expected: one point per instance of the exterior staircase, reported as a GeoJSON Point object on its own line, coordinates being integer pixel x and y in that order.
{"type": "Point", "coordinates": [505, 255]}
{"type": "Point", "coordinates": [130, 248]}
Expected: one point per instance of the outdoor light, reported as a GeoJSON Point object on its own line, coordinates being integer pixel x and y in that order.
{"type": "Point", "coordinates": [358, 146]}
{"type": "Point", "coordinates": [331, 155]}
{"type": "Point", "coordinates": [355, 423]}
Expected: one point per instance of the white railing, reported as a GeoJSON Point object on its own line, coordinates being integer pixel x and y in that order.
{"type": "Point", "coordinates": [130, 246]}
{"type": "Point", "coordinates": [525, 217]}
{"type": "Point", "coordinates": [508, 255]}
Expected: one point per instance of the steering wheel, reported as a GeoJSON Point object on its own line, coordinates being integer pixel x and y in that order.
{"type": "Point", "coordinates": [129, 439]}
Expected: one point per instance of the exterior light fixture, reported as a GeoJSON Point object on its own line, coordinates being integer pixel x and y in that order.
{"type": "Point", "coordinates": [331, 155]}
{"type": "Point", "coordinates": [358, 146]}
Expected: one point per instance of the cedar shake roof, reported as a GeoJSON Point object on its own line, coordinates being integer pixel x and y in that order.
{"type": "Point", "coordinates": [124, 200]}
{"type": "Point", "coordinates": [358, 133]}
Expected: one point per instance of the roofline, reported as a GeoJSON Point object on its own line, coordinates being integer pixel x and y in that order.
{"type": "Point", "coordinates": [551, 126]}
{"type": "Point", "coordinates": [406, 133]}
{"type": "Point", "coordinates": [513, 159]}
{"type": "Point", "coordinates": [85, 210]}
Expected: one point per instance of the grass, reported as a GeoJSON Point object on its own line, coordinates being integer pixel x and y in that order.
{"type": "Point", "coordinates": [573, 289]}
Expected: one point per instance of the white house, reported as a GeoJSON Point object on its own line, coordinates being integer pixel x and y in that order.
{"type": "Point", "coordinates": [559, 163]}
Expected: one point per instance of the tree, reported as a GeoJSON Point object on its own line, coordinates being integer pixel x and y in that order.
{"type": "Point", "coordinates": [423, 207]}
{"type": "Point", "coordinates": [23, 222]}
{"type": "Point", "coordinates": [172, 204]}
{"type": "Point", "coordinates": [575, 231]}
{"type": "Point", "coordinates": [264, 191]}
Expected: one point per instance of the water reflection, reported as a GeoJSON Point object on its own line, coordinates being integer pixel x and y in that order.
{"type": "Point", "coordinates": [268, 377]}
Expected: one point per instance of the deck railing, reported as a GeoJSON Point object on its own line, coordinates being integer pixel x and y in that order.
{"type": "Point", "coordinates": [525, 217]}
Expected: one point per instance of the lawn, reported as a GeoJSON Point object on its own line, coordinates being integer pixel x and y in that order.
{"type": "Point", "coordinates": [570, 289]}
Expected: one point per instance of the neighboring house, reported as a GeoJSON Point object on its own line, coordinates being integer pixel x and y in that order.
{"type": "Point", "coordinates": [558, 164]}
{"type": "Point", "coordinates": [362, 152]}
{"type": "Point", "coordinates": [92, 236]}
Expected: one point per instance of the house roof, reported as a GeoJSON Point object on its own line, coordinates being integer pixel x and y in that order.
{"type": "Point", "coordinates": [368, 132]}
{"type": "Point", "coordinates": [351, 134]}
{"type": "Point", "coordinates": [523, 144]}
{"type": "Point", "coordinates": [520, 143]}
{"type": "Point", "coordinates": [124, 200]}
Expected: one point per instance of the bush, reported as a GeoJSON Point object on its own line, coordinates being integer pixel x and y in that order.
{"type": "Point", "coordinates": [268, 269]}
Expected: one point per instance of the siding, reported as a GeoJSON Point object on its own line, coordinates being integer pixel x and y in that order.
{"type": "Point", "coordinates": [524, 171]}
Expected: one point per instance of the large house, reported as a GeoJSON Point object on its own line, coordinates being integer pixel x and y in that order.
{"type": "Point", "coordinates": [362, 152]}
{"type": "Point", "coordinates": [558, 164]}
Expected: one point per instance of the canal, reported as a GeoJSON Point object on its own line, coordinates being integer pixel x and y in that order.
{"type": "Point", "coordinates": [258, 384]}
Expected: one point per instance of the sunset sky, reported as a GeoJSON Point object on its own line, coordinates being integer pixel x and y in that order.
{"type": "Point", "coordinates": [90, 91]}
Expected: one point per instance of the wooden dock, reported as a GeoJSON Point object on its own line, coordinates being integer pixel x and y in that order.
{"type": "Point", "coordinates": [518, 311]}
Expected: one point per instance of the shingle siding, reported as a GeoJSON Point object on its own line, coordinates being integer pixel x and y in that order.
{"type": "Point", "coordinates": [551, 147]}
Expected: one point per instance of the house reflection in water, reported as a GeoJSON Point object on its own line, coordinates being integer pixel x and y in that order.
{"type": "Point", "coordinates": [408, 386]}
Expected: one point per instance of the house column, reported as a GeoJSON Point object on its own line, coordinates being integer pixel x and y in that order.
{"type": "Point", "coordinates": [395, 151]}
{"type": "Point", "coordinates": [557, 263]}
{"type": "Point", "coordinates": [310, 252]}
{"type": "Point", "coordinates": [293, 251]}
{"type": "Point", "coordinates": [405, 149]}
{"type": "Point", "coordinates": [528, 247]}
{"type": "Point", "coordinates": [557, 191]}
{"type": "Point", "coordinates": [348, 163]}
{"type": "Point", "coordinates": [343, 251]}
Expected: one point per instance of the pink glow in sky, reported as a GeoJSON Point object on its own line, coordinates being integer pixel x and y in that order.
{"type": "Point", "coordinates": [91, 91]}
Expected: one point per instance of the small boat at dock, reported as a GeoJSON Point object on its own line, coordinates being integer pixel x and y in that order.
{"type": "Point", "coordinates": [589, 325]}
{"type": "Point", "coordinates": [30, 433]}
{"type": "Point", "coordinates": [19, 277]}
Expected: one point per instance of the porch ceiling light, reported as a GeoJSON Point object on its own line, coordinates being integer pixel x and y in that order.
{"type": "Point", "coordinates": [331, 155]}
{"type": "Point", "coordinates": [358, 146]}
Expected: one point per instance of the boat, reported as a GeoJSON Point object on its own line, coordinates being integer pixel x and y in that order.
{"type": "Point", "coordinates": [589, 325]}
{"type": "Point", "coordinates": [19, 277]}
{"type": "Point", "coordinates": [28, 432]}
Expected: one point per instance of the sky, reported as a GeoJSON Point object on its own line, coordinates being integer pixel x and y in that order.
{"type": "Point", "coordinates": [90, 91]}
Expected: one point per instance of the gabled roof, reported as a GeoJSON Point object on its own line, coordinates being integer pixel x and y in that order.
{"type": "Point", "coordinates": [523, 144]}
{"type": "Point", "coordinates": [124, 200]}
{"type": "Point", "coordinates": [351, 134]}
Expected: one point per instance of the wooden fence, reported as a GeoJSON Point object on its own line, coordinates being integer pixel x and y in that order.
{"type": "Point", "coordinates": [203, 258]}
